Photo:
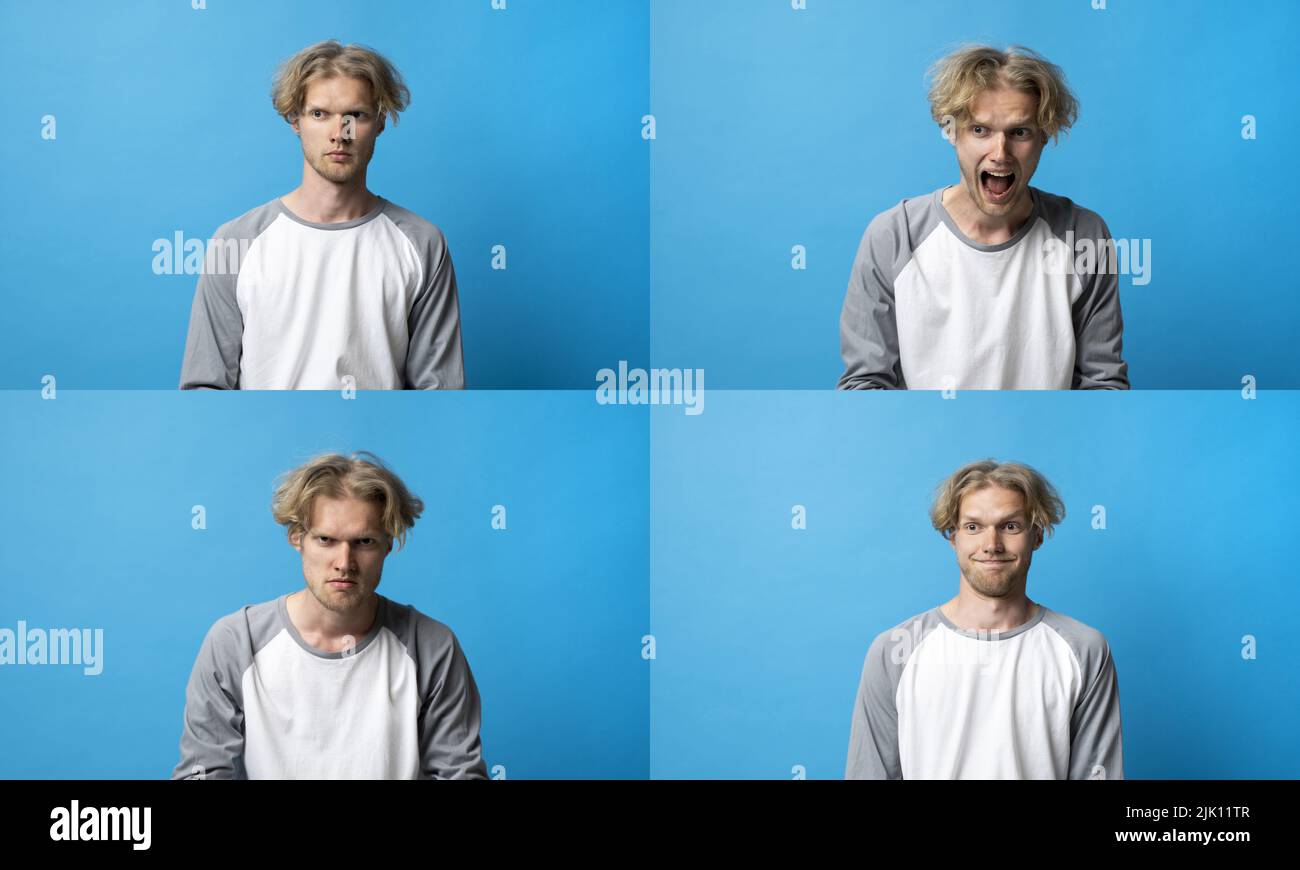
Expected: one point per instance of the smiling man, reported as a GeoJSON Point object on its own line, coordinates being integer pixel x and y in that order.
{"type": "Point", "coordinates": [975, 285]}
{"type": "Point", "coordinates": [334, 681]}
{"type": "Point", "coordinates": [989, 685]}
{"type": "Point", "coordinates": [330, 286]}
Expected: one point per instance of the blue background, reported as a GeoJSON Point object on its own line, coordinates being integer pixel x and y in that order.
{"type": "Point", "coordinates": [778, 128]}
{"type": "Point", "coordinates": [523, 130]}
{"type": "Point", "coordinates": [761, 629]}
{"type": "Point", "coordinates": [550, 611]}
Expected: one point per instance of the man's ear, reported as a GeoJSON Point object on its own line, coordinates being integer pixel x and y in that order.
{"type": "Point", "coordinates": [1038, 537]}
{"type": "Point", "coordinates": [295, 540]}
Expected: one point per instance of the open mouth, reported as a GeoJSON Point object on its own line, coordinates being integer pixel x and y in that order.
{"type": "Point", "coordinates": [997, 185]}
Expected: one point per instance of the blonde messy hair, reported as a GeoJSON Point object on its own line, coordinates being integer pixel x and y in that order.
{"type": "Point", "coordinates": [1043, 506]}
{"type": "Point", "coordinates": [332, 58]}
{"type": "Point", "coordinates": [958, 79]}
{"type": "Point", "coordinates": [362, 476]}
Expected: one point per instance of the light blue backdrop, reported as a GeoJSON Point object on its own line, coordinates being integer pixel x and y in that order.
{"type": "Point", "coordinates": [761, 629]}
{"type": "Point", "coordinates": [523, 130]}
{"type": "Point", "coordinates": [778, 128]}
{"type": "Point", "coordinates": [550, 611]}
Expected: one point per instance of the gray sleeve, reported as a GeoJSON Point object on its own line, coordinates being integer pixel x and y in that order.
{"type": "Point", "coordinates": [1099, 325]}
{"type": "Point", "coordinates": [212, 739]}
{"type": "Point", "coordinates": [868, 329]}
{"type": "Point", "coordinates": [433, 356]}
{"type": "Point", "coordinates": [450, 747]}
{"type": "Point", "coordinates": [216, 337]}
{"type": "Point", "coordinates": [873, 738]}
{"type": "Point", "coordinates": [1096, 735]}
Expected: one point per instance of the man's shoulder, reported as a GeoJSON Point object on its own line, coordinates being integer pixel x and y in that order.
{"type": "Point", "coordinates": [1064, 214]}
{"type": "Point", "coordinates": [417, 228]}
{"type": "Point", "coordinates": [251, 223]}
{"type": "Point", "coordinates": [901, 228]}
{"type": "Point", "coordinates": [421, 632]}
{"type": "Point", "coordinates": [907, 211]}
{"type": "Point", "coordinates": [1088, 643]}
{"type": "Point", "coordinates": [242, 628]}
{"type": "Point", "coordinates": [896, 643]}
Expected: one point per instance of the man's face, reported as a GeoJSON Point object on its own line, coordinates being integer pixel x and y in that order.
{"type": "Point", "coordinates": [343, 552]}
{"type": "Point", "coordinates": [1001, 137]}
{"type": "Point", "coordinates": [338, 127]}
{"type": "Point", "coordinates": [994, 542]}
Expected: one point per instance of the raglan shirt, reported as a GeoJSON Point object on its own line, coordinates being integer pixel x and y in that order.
{"type": "Point", "coordinates": [1039, 701]}
{"type": "Point", "coordinates": [283, 303]}
{"type": "Point", "coordinates": [263, 704]}
{"type": "Point", "coordinates": [928, 308]}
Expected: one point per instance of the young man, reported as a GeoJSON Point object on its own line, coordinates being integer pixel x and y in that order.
{"type": "Point", "coordinates": [334, 681]}
{"type": "Point", "coordinates": [989, 685]}
{"type": "Point", "coordinates": [976, 285]}
{"type": "Point", "coordinates": [330, 286]}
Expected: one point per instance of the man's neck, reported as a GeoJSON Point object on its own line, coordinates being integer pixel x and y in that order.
{"type": "Point", "coordinates": [324, 202]}
{"type": "Point", "coordinates": [975, 613]}
{"type": "Point", "coordinates": [326, 630]}
{"type": "Point", "coordinates": [979, 227]}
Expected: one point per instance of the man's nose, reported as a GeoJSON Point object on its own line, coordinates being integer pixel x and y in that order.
{"type": "Point", "coordinates": [993, 540]}
{"type": "Point", "coordinates": [344, 127]}
{"type": "Point", "coordinates": [344, 560]}
{"type": "Point", "coordinates": [999, 152]}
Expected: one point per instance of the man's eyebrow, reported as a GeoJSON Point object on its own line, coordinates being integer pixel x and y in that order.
{"type": "Point", "coordinates": [969, 518]}
{"type": "Point", "coordinates": [1011, 125]}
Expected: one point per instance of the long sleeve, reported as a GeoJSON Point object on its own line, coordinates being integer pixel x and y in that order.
{"type": "Point", "coordinates": [212, 739]}
{"type": "Point", "coordinates": [873, 737]}
{"type": "Point", "coordinates": [1096, 736]}
{"type": "Point", "coordinates": [450, 747]}
{"type": "Point", "coordinates": [868, 329]}
{"type": "Point", "coordinates": [1099, 326]}
{"type": "Point", "coordinates": [434, 359]}
{"type": "Point", "coordinates": [216, 334]}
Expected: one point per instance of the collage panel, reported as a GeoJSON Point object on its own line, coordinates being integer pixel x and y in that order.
{"type": "Point", "coordinates": [169, 623]}
{"type": "Point", "coordinates": [813, 619]}
{"type": "Point", "coordinates": [822, 214]}
{"type": "Point", "coordinates": [315, 195]}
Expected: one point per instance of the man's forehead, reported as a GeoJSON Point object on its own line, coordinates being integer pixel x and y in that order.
{"type": "Point", "coordinates": [992, 499]}
{"type": "Point", "coordinates": [349, 513]}
{"type": "Point", "coordinates": [347, 89]}
{"type": "Point", "coordinates": [1004, 104]}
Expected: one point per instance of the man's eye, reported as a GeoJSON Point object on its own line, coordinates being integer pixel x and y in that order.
{"type": "Point", "coordinates": [1013, 527]}
{"type": "Point", "coordinates": [977, 129]}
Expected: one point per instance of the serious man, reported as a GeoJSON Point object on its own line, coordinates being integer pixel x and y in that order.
{"type": "Point", "coordinates": [977, 285]}
{"type": "Point", "coordinates": [329, 286]}
{"type": "Point", "coordinates": [989, 685]}
{"type": "Point", "coordinates": [334, 681]}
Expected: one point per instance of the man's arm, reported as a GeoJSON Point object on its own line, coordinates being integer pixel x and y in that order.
{"type": "Point", "coordinates": [1096, 738]}
{"type": "Point", "coordinates": [868, 329]}
{"type": "Point", "coordinates": [216, 337]}
{"type": "Point", "coordinates": [873, 738]}
{"type": "Point", "coordinates": [212, 741]}
{"type": "Point", "coordinates": [1099, 326]}
{"type": "Point", "coordinates": [450, 747]}
{"type": "Point", "coordinates": [433, 355]}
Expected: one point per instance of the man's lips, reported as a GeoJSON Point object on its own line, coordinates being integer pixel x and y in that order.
{"type": "Point", "coordinates": [342, 583]}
